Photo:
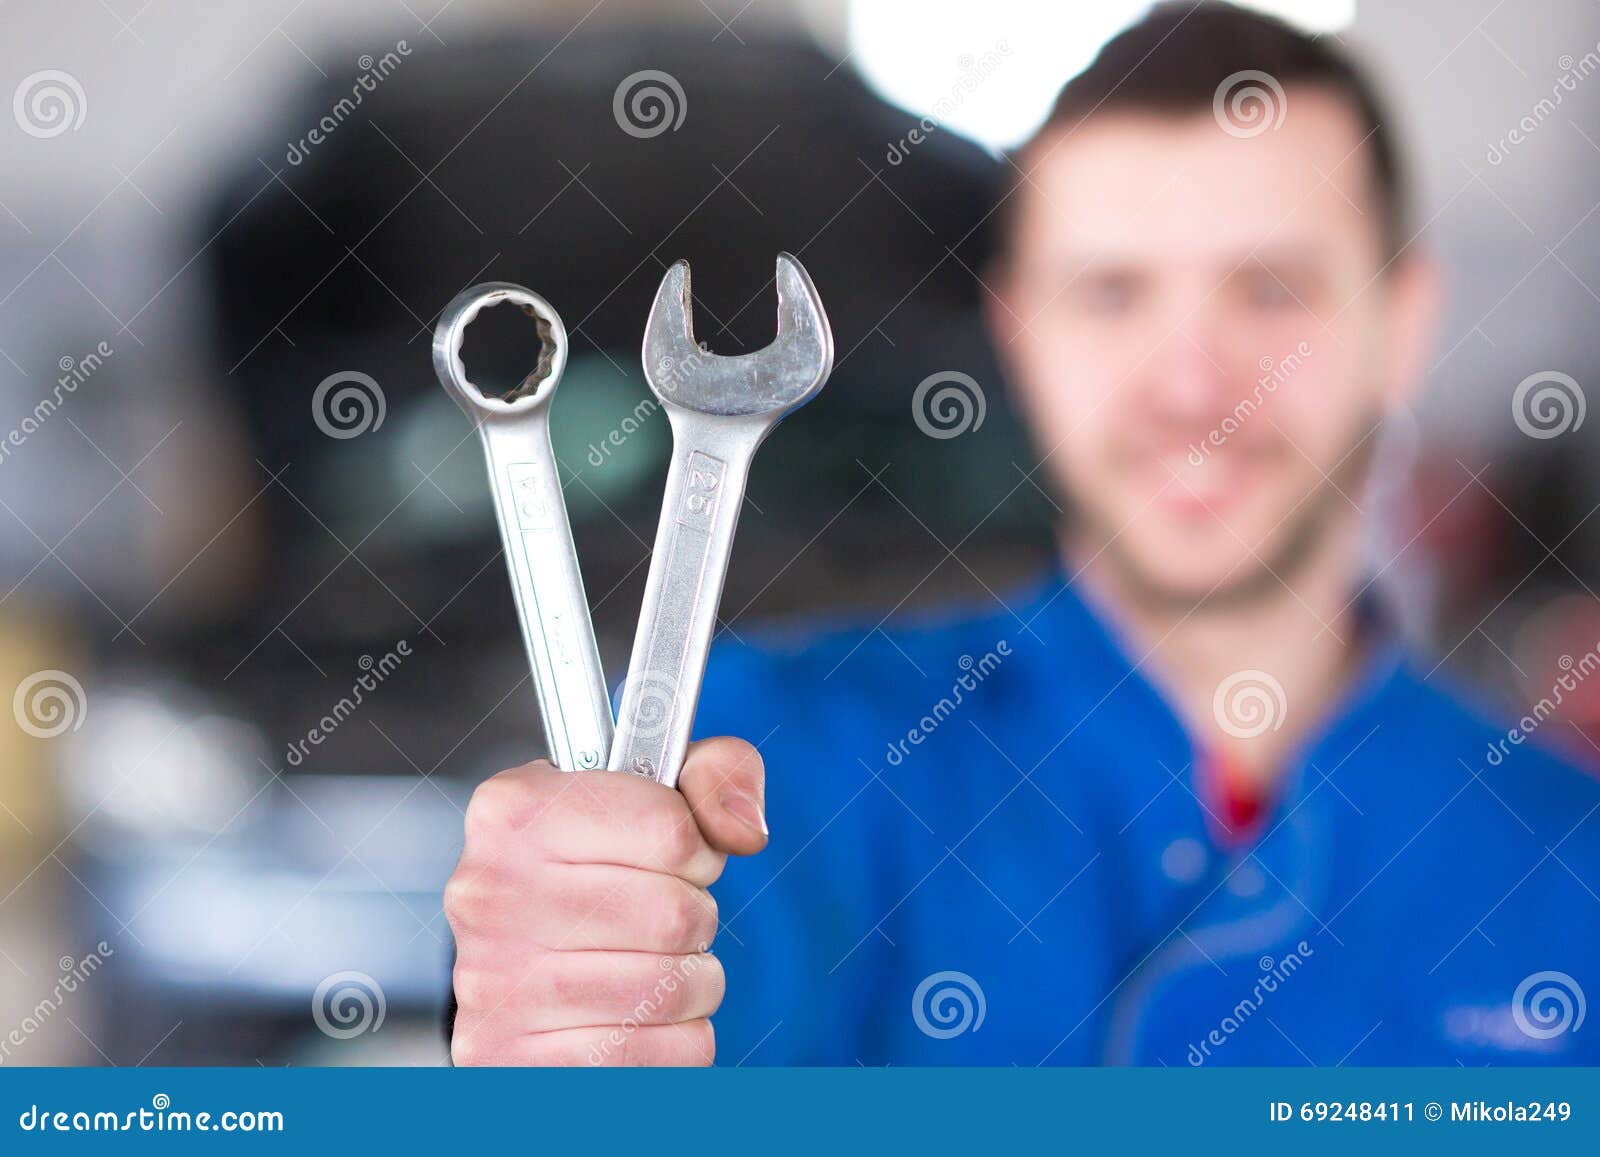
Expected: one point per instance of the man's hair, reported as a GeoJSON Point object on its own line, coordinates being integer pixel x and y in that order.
{"type": "Point", "coordinates": [1178, 58]}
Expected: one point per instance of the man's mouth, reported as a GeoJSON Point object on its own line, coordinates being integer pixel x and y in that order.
{"type": "Point", "coordinates": [1192, 483]}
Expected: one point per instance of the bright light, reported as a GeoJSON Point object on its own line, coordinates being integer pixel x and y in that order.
{"type": "Point", "coordinates": [990, 69]}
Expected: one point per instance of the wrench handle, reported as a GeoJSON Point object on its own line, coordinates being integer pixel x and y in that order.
{"type": "Point", "coordinates": [548, 588]}
{"type": "Point", "coordinates": [699, 513]}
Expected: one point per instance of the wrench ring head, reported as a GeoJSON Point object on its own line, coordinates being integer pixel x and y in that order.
{"type": "Point", "coordinates": [448, 335]}
{"type": "Point", "coordinates": [769, 382]}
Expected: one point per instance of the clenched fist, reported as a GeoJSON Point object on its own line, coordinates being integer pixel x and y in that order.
{"type": "Point", "coordinates": [581, 913]}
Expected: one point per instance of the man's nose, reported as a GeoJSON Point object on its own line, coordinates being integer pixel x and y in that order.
{"type": "Point", "coordinates": [1189, 380]}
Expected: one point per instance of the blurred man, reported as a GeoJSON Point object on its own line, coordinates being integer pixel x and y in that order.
{"type": "Point", "coordinates": [1183, 802]}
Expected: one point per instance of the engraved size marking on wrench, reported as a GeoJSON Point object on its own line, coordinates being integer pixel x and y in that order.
{"type": "Point", "coordinates": [532, 511]}
{"type": "Point", "coordinates": [701, 493]}
{"type": "Point", "coordinates": [537, 522]}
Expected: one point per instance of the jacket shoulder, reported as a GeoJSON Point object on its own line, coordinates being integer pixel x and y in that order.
{"type": "Point", "coordinates": [1519, 761]}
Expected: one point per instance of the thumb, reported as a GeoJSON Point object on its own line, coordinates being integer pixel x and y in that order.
{"type": "Point", "coordinates": [725, 784]}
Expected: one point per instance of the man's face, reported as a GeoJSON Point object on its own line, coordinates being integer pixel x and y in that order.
{"type": "Point", "coordinates": [1200, 332]}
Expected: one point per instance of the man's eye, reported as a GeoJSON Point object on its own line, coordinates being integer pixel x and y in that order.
{"type": "Point", "coordinates": [1107, 294]}
{"type": "Point", "coordinates": [1264, 291]}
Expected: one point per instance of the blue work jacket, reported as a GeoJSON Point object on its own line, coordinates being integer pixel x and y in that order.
{"type": "Point", "coordinates": [990, 845]}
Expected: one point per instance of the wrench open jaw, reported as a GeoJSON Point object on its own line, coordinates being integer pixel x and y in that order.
{"type": "Point", "coordinates": [720, 409]}
{"type": "Point", "coordinates": [777, 379]}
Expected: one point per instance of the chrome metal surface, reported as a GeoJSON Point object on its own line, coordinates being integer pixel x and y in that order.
{"type": "Point", "coordinates": [545, 578]}
{"type": "Point", "coordinates": [720, 409]}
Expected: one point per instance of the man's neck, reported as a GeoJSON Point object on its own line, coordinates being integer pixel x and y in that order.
{"type": "Point", "coordinates": [1303, 632]}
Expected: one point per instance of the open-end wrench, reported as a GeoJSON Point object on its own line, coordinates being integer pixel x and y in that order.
{"type": "Point", "coordinates": [720, 410]}
{"type": "Point", "coordinates": [528, 503]}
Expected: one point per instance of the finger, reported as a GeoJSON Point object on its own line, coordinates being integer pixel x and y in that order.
{"type": "Point", "coordinates": [580, 907]}
{"type": "Point", "coordinates": [562, 990]}
{"type": "Point", "coordinates": [691, 1043]}
{"type": "Point", "coordinates": [725, 784]}
{"type": "Point", "coordinates": [602, 817]}
{"type": "Point", "coordinates": [602, 906]}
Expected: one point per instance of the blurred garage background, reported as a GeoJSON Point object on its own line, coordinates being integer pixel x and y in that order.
{"type": "Point", "coordinates": [236, 508]}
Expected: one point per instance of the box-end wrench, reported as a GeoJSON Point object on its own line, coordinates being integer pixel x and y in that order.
{"type": "Point", "coordinates": [720, 410]}
{"type": "Point", "coordinates": [545, 579]}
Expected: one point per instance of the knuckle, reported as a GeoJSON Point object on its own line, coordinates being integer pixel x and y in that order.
{"type": "Point", "coordinates": [465, 903]}
{"type": "Point", "coordinates": [468, 1049]}
{"type": "Point", "coordinates": [506, 803]}
{"type": "Point", "coordinates": [488, 810]}
{"type": "Point", "coordinates": [676, 919]}
{"type": "Point", "coordinates": [474, 987]}
{"type": "Point", "coordinates": [480, 1047]}
{"type": "Point", "coordinates": [710, 920]}
{"type": "Point", "coordinates": [677, 840]}
{"type": "Point", "coordinates": [479, 901]}
{"type": "Point", "coordinates": [688, 919]}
